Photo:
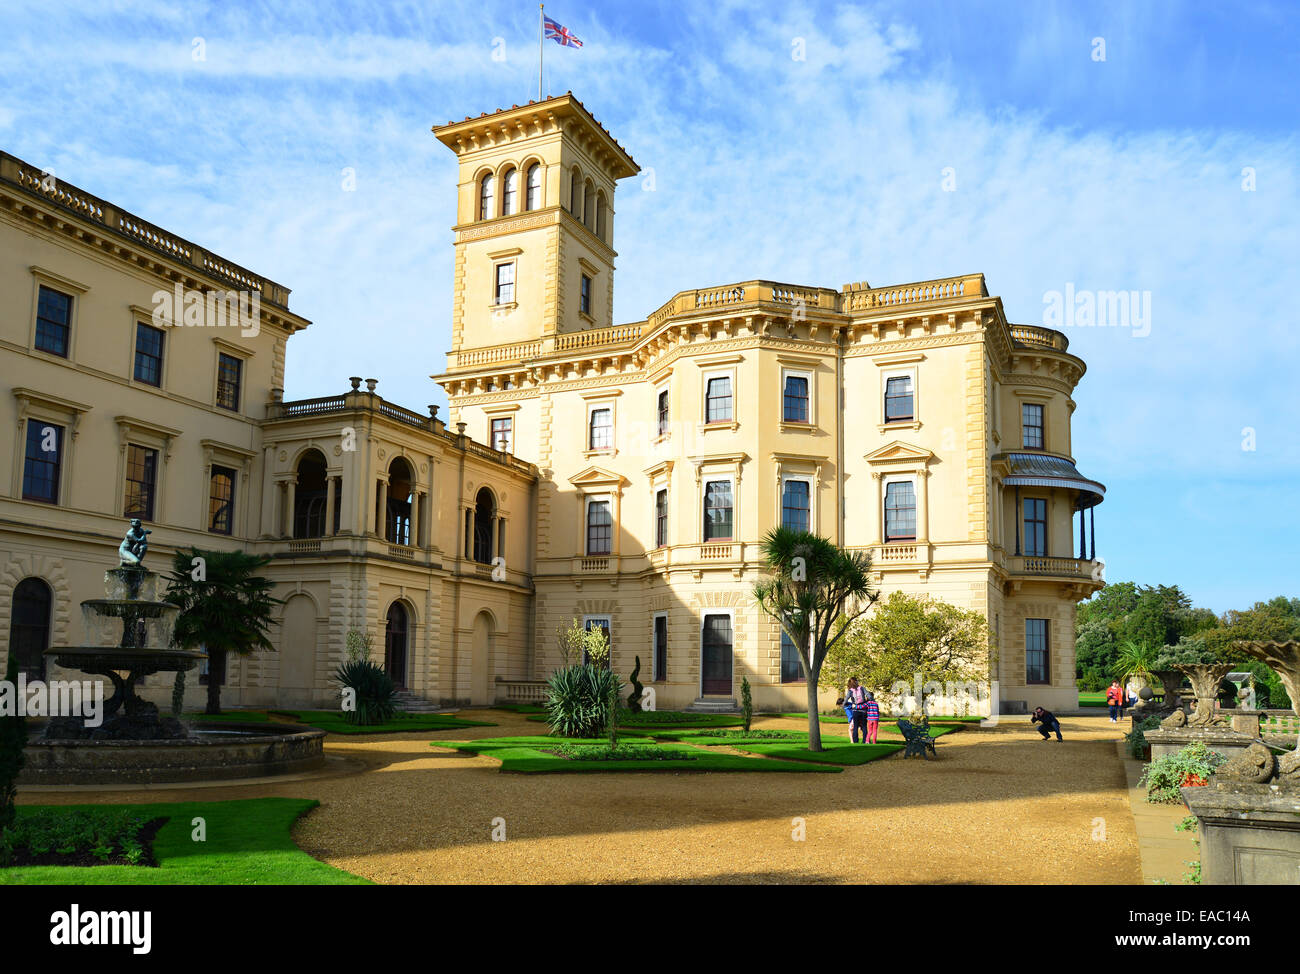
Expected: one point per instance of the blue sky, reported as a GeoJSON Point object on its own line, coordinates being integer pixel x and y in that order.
{"type": "Point", "coordinates": [1065, 170]}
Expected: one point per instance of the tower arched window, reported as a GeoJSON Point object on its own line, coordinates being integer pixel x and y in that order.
{"type": "Point", "coordinates": [510, 192]}
{"type": "Point", "coordinates": [589, 205]}
{"type": "Point", "coordinates": [534, 198]}
{"type": "Point", "coordinates": [575, 193]}
{"type": "Point", "coordinates": [486, 198]}
{"type": "Point", "coordinates": [485, 512]}
{"type": "Point", "coordinates": [600, 215]}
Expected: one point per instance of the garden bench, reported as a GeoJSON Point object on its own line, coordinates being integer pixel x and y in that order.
{"type": "Point", "coordinates": [918, 741]}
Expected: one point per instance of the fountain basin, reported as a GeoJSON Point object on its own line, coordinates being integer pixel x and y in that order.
{"type": "Point", "coordinates": [230, 750]}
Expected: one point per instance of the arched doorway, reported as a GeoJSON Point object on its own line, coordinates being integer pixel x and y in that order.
{"type": "Point", "coordinates": [480, 665]}
{"type": "Point", "coordinates": [485, 513]}
{"type": "Point", "coordinates": [29, 626]}
{"type": "Point", "coordinates": [396, 641]}
{"type": "Point", "coordinates": [298, 652]}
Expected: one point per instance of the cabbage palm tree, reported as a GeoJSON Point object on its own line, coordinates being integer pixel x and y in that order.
{"type": "Point", "coordinates": [1136, 660]}
{"type": "Point", "coordinates": [811, 583]}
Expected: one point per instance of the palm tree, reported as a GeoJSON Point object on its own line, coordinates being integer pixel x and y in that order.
{"type": "Point", "coordinates": [225, 608]}
{"type": "Point", "coordinates": [811, 583]}
{"type": "Point", "coordinates": [1136, 660]}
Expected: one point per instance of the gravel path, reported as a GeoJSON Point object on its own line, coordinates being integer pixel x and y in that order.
{"type": "Point", "coordinates": [999, 806]}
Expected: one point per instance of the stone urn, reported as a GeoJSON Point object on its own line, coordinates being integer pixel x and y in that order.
{"type": "Point", "coordinates": [1284, 659]}
{"type": "Point", "coordinates": [1205, 678]}
{"type": "Point", "coordinates": [1171, 681]}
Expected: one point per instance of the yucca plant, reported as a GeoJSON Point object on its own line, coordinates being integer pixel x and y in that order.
{"type": "Point", "coordinates": [581, 700]}
{"type": "Point", "coordinates": [374, 690]}
{"type": "Point", "coordinates": [1136, 661]}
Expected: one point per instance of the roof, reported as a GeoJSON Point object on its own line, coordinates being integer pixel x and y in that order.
{"type": "Point", "coordinates": [1045, 470]}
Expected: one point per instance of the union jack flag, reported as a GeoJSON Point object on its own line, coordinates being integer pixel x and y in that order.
{"type": "Point", "coordinates": [560, 34]}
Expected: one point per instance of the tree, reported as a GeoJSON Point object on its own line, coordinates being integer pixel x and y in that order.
{"type": "Point", "coordinates": [811, 585]}
{"type": "Point", "coordinates": [225, 608]}
{"type": "Point", "coordinates": [1137, 660]}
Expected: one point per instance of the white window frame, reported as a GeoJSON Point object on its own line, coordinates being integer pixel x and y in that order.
{"type": "Point", "coordinates": [664, 387]}
{"type": "Point", "coordinates": [514, 283]}
{"type": "Point", "coordinates": [1032, 400]}
{"type": "Point", "coordinates": [812, 397]}
{"type": "Point", "coordinates": [897, 373]}
{"type": "Point", "coordinates": [234, 351]}
{"type": "Point", "coordinates": [493, 419]}
{"type": "Point", "coordinates": [655, 675]}
{"type": "Point", "coordinates": [587, 501]}
{"type": "Point", "coordinates": [812, 499]}
{"type": "Point", "coordinates": [705, 480]}
{"type": "Point", "coordinates": [705, 377]}
{"type": "Point", "coordinates": [898, 478]}
{"type": "Point", "coordinates": [74, 290]}
{"type": "Point", "coordinates": [699, 649]}
{"type": "Point", "coordinates": [601, 451]}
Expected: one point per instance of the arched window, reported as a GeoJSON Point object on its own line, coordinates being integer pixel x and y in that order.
{"type": "Point", "coordinates": [397, 520]}
{"type": "Point", "coordinates": [485, 512]}
{"type": "Point", "coordinates": [29, 626]}
{"type": "Point", "coordinates": [534, 198]}
{"type": "Point", "coordinates": [485, 199]}
{"type": "Point", "coordinates": [589, 205]}
{"type": "Point", "coordinates": [510, 192]}
{"type": "Point", "coordinates": [600, 215]}
{"type": "Point", "coordinates": [575, 193]}
{"type": "Point", "coordinates": [309, 496]}
{"type": "Point", "coordinates": [396, 629]}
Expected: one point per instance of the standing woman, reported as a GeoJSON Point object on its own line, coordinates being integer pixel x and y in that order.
{"type": "Point", "coordinates": [855, 699]}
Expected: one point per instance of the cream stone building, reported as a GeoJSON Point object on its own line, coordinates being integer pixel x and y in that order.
{"type": "Point", "coordinates": [620, 474]}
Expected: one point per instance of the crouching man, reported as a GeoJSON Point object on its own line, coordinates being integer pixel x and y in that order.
{"type": "Point", "coordinates": [1047, 723]}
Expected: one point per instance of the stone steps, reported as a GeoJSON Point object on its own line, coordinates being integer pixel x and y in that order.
{"type": "Point", "coordinates": [412, 703]}
{"type": "Point", "coordinates": [713, 705]}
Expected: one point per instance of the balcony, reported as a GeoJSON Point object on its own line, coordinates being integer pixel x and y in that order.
{"type": "Point", "coordinates": [1080, 576]}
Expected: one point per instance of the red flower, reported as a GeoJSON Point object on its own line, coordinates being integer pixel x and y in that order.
{"type": "Point", "coordinates": [1191, 780]}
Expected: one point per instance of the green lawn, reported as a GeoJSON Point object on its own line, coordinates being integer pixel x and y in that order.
{"type": "Point", "coordinates": [528, 755]}
{"type": "Point", "coordinates": [657, 719]}
{"type": "Point", "coordinates": [835, 751]}
{"type": "Point", "coordinates": [334, 722]}
{"type": "Point", "coordinates": [247, 843]}
{"type": "Point", "coordinates": [1092, 699]}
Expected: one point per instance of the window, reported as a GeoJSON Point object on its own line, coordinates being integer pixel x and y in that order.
{"type": "Point", "coordinates": [229, 371]}
{"type": "Point", "coordinates": [898, 399]}
{"type": "Point", "coordinates": [504, 292]}
{"type": "Point", "coordinates": [485, 514]}
{"type": "Point", "coordinates": [148, 354]}
{"type": "Point", "coordinates": [717, 510]}
{"type": "Point", "coordinates": [661, 518]}
{"type": "Point", "coordinates": [221, 501]}
{"type": "Point", "coordinates": [660, 649]}
{"type": "Point", "coordinates": [534, 197]}
{"type": "Point", "coordinates": [795, 506]}
{"type": "Point", "coordinates": [900, 511]}
{"type": "Point", "coordinates": [601, 423]}
{"type": "Point", "coordinates": [791, 665]}
{"type": "Point", "coordinates": [716, 655]}
{"type": "Point", "coordinates": [795, 399]}
{"type": "Point", "coordinates": [584, 301]}
{"type": "Point", "coordinates": [53, 321]}
{"type": "Point", "coordinates": [600, 528]}
{"type": "Point", "coordinates": [501, 433]}
{"type": "Point", "coordinates": [29, 626]}
{"type": "Point", "coordinates": [1032, 417]}
{"type": "Point", "coordinates": [600, 215]}
{"type": "Point", "coordinates": [510, 192]}
{"type": "Point", "coordinates": [1037, 669]}
{"type": "Point", "coordinates": [663, 412]}
{"type": "Point", "coordinates": [485, 198]}
{"type": "Point", "coordinates": [43, 462]}
{"type": "Point", "coordinates": [717, 400]}
{"type": "Point", "coordinates": [575, 194]}
{"type": "Point", "coordinates": [141, 482]}
{"type": "Point", "coordinates": [601, 623]}
{"type": "Point", "coordinates": [1036, 527]}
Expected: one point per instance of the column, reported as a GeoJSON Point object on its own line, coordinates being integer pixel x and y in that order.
{"type": "Point", "coordinates": [877, 521]}
{"type": "Point", "coordinates": [1092, 516]}
{"type": "Point", "coordinates": [415, 518]}
{"type": "Point", "coordinates": [1083, 536]}
{"type": "Point", "coordinates": [329, 507]}
{"type": "Point", "coordinates": [291, 498]}
{"type": "Point", "coordinates": [922, 507]}
{"type": "Point", "coordinates": [382, 514]}
{"type": "Point", "coordinates": [1017, 520]}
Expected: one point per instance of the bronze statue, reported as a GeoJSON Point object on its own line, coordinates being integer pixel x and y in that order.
{"type": "Point", "coordinates": [133, 547]}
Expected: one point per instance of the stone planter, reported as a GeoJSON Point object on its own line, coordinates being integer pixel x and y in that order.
{"type": "Point", "coordinates": [1250, 833]}
{"type": "Point", "coordinates": [1222, 740]}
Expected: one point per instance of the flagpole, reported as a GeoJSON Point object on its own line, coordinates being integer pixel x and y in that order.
{"type": "Point", "coordinates": [541, 31]}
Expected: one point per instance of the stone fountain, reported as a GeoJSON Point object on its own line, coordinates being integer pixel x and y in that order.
{"type": "Point", "coordinates": [128, 637]}
{"type": "Point", "coordinates": [1249, 813]}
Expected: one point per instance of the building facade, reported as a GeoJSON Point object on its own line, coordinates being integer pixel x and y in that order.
{"type": "Point", "coordinates": [620, 474]}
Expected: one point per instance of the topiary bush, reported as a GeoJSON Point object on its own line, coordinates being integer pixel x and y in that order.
{"type": "Point", "coordinates": [746, 703]}
{"type": "Point", "coordinates": [373, 689]}
{"type": "Point", "coordinates": [580, 700]}
{"type": "Point", "coordinates": [1165, 775]}
{"type": "Point", "coordinates": [634, 698]}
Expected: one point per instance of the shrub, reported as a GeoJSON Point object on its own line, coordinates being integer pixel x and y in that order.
{"type": "Point", "coordinates": [1093, 679]}
{"type": "Point", "coordinates": [579, 700]}
{"type": "Point", "coordinates": [373, 691]}
{"type": "Point", "coordinates": [638, 689]}
{"type": "Point", "coordinates": [1135, 741]}
{"type": "Point", "coordinates": [103, 833]}
{"type": "Point", "coordinates": [746, 702]}
{"type": "Point", "coordinates": [625, 752]}
{"type": "Point", "coordinates": [1166, 774]}
{"type": "Point", "coordinates": [13, 738]}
